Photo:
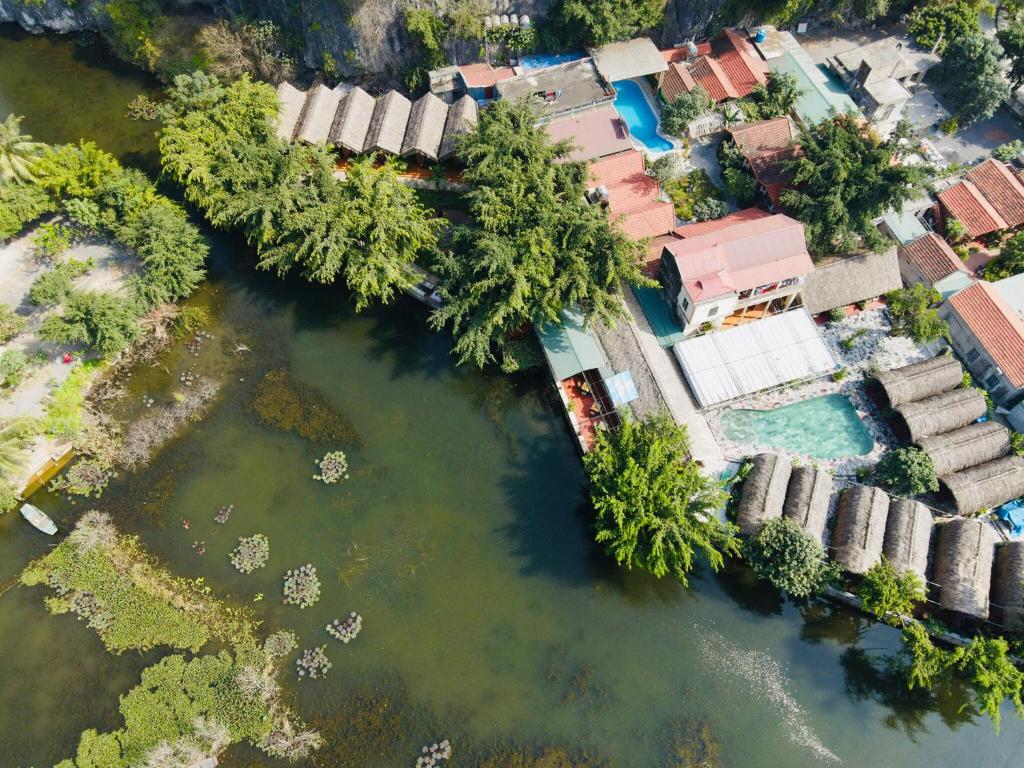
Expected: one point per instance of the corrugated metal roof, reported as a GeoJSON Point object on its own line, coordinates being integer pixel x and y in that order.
{"type": "Point", "coordinates": [629, 59]}
{"type": "Point", "coordinates": [570, 348]}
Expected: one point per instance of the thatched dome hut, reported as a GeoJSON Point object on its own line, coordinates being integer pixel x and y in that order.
{"type": "Point", "coordinates": [963, 566]}
{"type": "Point", "coordinates": [942, 413]}
{"type": "Point", "coordinates": [918, 381]}
{"type": "Point", "coordinates": [987, 485]}
{"type": "Point", "coordinates": [908, 531]}
{"type": "Point", "coordinates": [764, 492]}
{"type": "Point", "coordinates": [1008, 584]}
{"type": "Point", "coordinates": [807, 500]}
{"type": "Point", "coordinates": [860, 527]}
{"type": "Point", "coordinates": [966, 447]}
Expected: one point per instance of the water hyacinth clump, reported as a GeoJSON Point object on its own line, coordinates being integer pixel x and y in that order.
{"type": "Point", "coordinates": [302, 586]}
{"type": "Point", "coordinates": [434, 754]}
{"type": "Point", "coordinates": [346, 630]}
{"type": "Point", "coordinates": [251, 553]}
{"type": "Point", "coordinates": [223, 514]}
{"type": "Point", "coordinates": [280, 644]}
{"type": "Point", "coordinates": [333, 467]}
{"type": "Point", "coordinates": [313, 663]}
{"type": "Point", "coordinates": [86, 606]}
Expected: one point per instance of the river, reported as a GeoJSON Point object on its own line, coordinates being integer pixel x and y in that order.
{"type": "Point", "coordinates": [462, 538]}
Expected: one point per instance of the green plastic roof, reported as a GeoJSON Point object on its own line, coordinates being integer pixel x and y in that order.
{"type": "Point", "coordinates": [569, 347]}
{"type": "Point", "coordinates": [822, 95]}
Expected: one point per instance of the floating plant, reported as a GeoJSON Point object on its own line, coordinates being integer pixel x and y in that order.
{"type": "Point", "coordinates": [313, 663]}
{"type": "Point", "coordinates": [434, 754]}
{"type": "Point", "coordinates": [346, 630]}
{"type": "Point", "coordinates": [251, 553]}
{"type": "Point", "coordinates": [333, 467]}
{"type": "Point", "coordinates": [223, 514]}
{"type": "Point", "coordinates": [280, 643]}
{"type": "Point", "coordinates": [86, 606]}
{"type": "Point", "coordinates": [302, 586]}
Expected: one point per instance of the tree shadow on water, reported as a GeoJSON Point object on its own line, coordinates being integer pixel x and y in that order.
{"type": "Point", "coordinates": [749, 592]}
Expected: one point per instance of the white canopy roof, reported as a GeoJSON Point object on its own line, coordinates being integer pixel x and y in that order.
{"type": "Point", "coordinates": [766, 353]}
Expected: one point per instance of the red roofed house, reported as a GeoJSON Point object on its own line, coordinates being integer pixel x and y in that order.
{"type": "Point", "coordinates": [989, 198]}
{"type": "Point", "coordinates": [727, 67]}
{"type": "Point", "coordinates": [594, 133]}
{"type": "Point", "coordinates": [766, 145]}
{"type": "Point", "coordinates": [632, 197]}
{"type": "Point", "coordinates": [930, 260]}
{"type": "Point", "coordinates": [989, 336]}
{"type": "Point", "coordinates": [745, 266]}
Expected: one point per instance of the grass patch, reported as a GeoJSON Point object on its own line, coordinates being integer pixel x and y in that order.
{"type": "Point", "coordinates": [65, 407]}
{"type": "Point", "coordinates": [688, 189]}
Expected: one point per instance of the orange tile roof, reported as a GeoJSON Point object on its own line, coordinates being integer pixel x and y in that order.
{"type": "Point", "coordinates": [655, 219]}
{"type": "Point", "coordinates": [682, 53]}
{"type": "Point", "coordinates": [710, 75]}
{"type": "Point", "coordinates": [633, 195]}
{"type": "Point", "coordinates": [674, 80]}
{"type": "Point", "coordinates": [740, 60]}
{"type": "Point", "coordinates": [933, 256]}
{"type": "Point", "coordinates": [483, 75]}
{"type": "Point", "coordinates": [965, 203]}
{"type": "Point", "coordinates": [766, 144]}
{"type": "Point", "coordinates": [703, 227]}
{"type": "Point", "coordinates": [1001, 188]}
{"type": "Point", "coordinates": [995, 325]}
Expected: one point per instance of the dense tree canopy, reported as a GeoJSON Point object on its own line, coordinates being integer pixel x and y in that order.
{"type": "Point", "coordinates": [677, 114]}
{"type": "Point", "coordinates": [783, 554]}
{"type": "Point", "coordinates": [1012, 40]}
{"type": "Point", "coordinates": [939, 24]}
{"type": "Point", "coordinates": [907, 472]}
{"type": "Point", "coordinates": [597, 22]}
{"type": "Point", "coordinates": [1010, 260]}
{"type": "Point", "coordinates": [775, 98]}
{"type": "Point", "coordinates": [973, 78]}
{"type": "Point", "coordinates": [914, 314]}
{"type": "Point", "coordinates": [19, 155]}
{"type": "Point", "coordinates": [655, 507]}
{"type": "Point", "coordinates": [890, 594]}
{"type": "Point", "coordinates": [845, 179]}
{"type": "Point", "coordinates": [536, 248]}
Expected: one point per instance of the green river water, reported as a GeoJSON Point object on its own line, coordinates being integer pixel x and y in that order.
{"type": "Point", "coordinates": [461, 537]}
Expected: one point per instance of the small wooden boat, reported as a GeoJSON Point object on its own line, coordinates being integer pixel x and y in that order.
{"type": "Point", "coordinates": [39, 519]}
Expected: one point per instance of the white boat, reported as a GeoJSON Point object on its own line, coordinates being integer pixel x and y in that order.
{"type": "Point", "coordinates": [39, 519]}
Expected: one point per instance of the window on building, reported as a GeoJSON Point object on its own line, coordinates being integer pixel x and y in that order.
{"type": "Point", "coordinates": [713, 311]}
{"type": "Point", "coordinates": [686, 305]}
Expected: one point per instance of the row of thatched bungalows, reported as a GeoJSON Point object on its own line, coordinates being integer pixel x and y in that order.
{"type": "Point", "coordinates": [869, 524]}
{"type": "Point", "coordinates": [350, 119]}
{"type": "Point", "coordinates": [974, 460]}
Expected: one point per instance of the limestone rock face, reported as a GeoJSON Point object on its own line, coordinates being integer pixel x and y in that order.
{"type": "Point", "coordinates": [53, 15]}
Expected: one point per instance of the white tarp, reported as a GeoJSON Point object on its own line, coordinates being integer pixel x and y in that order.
{"type": "Point", "coordinates": [762, 354]}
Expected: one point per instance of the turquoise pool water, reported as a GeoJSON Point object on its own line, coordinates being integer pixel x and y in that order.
{"type": "Point", "coordinates": [545, 60]}
{"type": "Point", "coordinates": [631, 103]}
{"type": "Point", "coordinates": [822, 428]}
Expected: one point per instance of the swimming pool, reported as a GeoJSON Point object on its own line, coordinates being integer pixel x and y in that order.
{"type": "Point", "coordinates": [543, 61]}
{"type": "Point", "coordinates": [631, 103]}
{"type": "Point", "coordinates": [825, 427]}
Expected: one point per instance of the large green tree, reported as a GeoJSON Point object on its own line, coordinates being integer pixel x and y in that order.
{"type": "Point", "coordinates": [656, 509]}
{"type": "Point", "coordinates": [1010, 260]}
{"type": "Point", "coordinates": [973, 78]}
{"type": "Point", "coordinates": [775, 98]}
{"type": "Point", "coordinates": [914, 314]}
{"type": "Point", "coordinates": [536, 246]}
{"type": "Point", "coordinates": [843, 181]}
{"type": "Point", "coordinates": [783, 554]}
{"type": "Point", "coordinates": [939, 24]}
{"type": "Point", "coordinates": [597, 22]}
{"type": "Point", "coordinates": [1012, 40]}
{"type": "Point", "coordinates": [19, 155]}
{"type": "Point", "coordinates": [907, 471]}
{"type": "Point", "coordinates": [890, 594]}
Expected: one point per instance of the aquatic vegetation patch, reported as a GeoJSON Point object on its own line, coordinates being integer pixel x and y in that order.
{"type": "Point", "coordinates": [282, 402]}
{"type": "Point", "coordinates": [313, 663]}
{"type": "Point", "coordinates": [693, 745]}
{"type": "Point", "coordinates": [280, 644]}
{"type": "Point", "coordinates": [302, 586]}
{"type": "Point", "coordinates": [145, 436]}
{"type": "Point", "coordinates": [346, 630]}
{"type": "Point", "coordinates": [251, 553]}
{"type": "Point", "coordinates": [333, 467]}
{"type": "Point", "coordinates": [512, 756]}
{"type": "Point", "coordinates": [223, 514]}
{"type": "Point", "coordinates": [434, 754]}
{"type": "Point", "coordinates": [86, 477]}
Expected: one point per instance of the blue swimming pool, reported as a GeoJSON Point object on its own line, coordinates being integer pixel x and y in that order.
{"type": "Point", "coordinates": [639, 116]}
{"type": "Point", "coordinates": [543, 61]}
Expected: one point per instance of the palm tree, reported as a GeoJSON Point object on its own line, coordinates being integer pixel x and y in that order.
{"type": "Point", "coordinates": [12, 447]}
{"type": "Point", "coordinates": [19, 155]}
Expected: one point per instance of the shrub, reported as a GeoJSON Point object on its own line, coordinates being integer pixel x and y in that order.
{"type": "Point", "coordinates": [12, 367]}
{"type": "Point", "coordinates": [1017, 443]}
{"type": "Point", "coordinates": [103, 322]}
{"type": "Point", "coordinates": [784, 555]}
{"type": "Point", "coordinates": [907, 472]}
{"type": "Point", "coordinates": [51, 287]}
{"type": "Point", "coordinates": [677, 115]}
{"type": "Point", "coordinates": [913, 314]}
{"type": "Point", "coordinates": [11, 324]}
{"type": "Point", "coordinates": [66, 404]}
{"type": "Point", "coordinates": [1009, 151]}
{"type": "Point", "coordinates": [889, 594]}
{"type": "Point", "coordinates": [51, 239]}
{"type": "Point", "coordinates": [740, 184]}
{"type": "Point", "coordinates": [837, 314]}
{"type": "Point", "coordinates": [708, 209]}
{"type": "Point", "coordinates": [841, 374]}
{"type": "Point", "coordinates": [950, 125]}
{"type": "Point", "coordinates": [9, 498]}
{"type": "Point", "coordinates": [21, 204]}
{"type": "Point", "coordinates": [956, 232]}
{"type": "Point", "coordinates": [1010, 260]}
{"type": "Point", "coordinates": [666, 168]}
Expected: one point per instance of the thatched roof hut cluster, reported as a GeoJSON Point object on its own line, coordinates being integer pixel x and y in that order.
{"type": "Point", "coordinates": [973, 460]}
{"type": "Point", "coordinates": [859, 533]}
{"type": "Point", "coordinates": [351, 119]}
{"type": "Point", "coordinates": [963, 566]}
{"type": "Point", "coordinates": [1008, 584]}
{"type": "Point", "coordinates": [774, 488]}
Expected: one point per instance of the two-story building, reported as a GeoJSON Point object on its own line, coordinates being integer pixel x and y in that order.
{"type": "Point", "coordinates": [745, 266]}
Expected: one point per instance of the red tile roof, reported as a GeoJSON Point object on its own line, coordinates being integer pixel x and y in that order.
{"type": "Point", "coordinates": [931, 254]}
{"type": "Point", "coordinates": [727, 67]}
{"type": "Point", "coordinates": [965, 203]}
{"type": "Point", "coordinates": [682, 53]}
{"type": "Point", "coordinates": [766, 144]}
{"type": "Point", "coordinates": [712, 77]}
{"type": "Point", "coordinates": [483, 75]}
{"type": "Point", "coordinates": [703, 227]}
{"type": "Point", "coordinates": [595, 133]}
{"type": "Point", "coordinates": [995, 325]}
{"type": "Point", "coordinates": [736, 254]}
{"type": "Point", "coordinates": [633, 195]}
{"type": "Point", "coordinates": [1001, 188]}
{"type": "Point", "coordinates": [740, 60]}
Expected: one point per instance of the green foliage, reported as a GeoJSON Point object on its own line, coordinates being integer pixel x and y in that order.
{"type": "Point", "coordinates": [11, 323]}
{"type": "Point", "coordinates": [913, 314]}
{"type": "Point", "coordinates": [19, 155]}
{"type": "Point", "coordinates": [1010, 150]}
{"type": "Point", "coordinates": [709, 208]}
{"type": "Point", "coordinates": [596, 22]}
{"type": "Point", "coordinates": [234, 47]}
{"type": "Point", "coordinates": [51, 239]}
{"type": "Point", "coordinates": [190, 319]}
{"type": "Point", "coordinates": [66, 404]}
{"type": "Point", "coordinates": [993, 678]}
{"type": "Point", "coordinates": [775, 98]}
{"type": "Point", "coordinates": [103, 322]}
{"type": "Point", "coordinates": [837, 314]}
{"type": "Point", "coordinates": [926, 663]}
{"type": "Point", "coordinates": [889, 594]}
{"type": "Point", "coordinates": [784, 555]}
{"type": "Point", "coordinates": [86, 214]}
{"type": "Point", "coordinates": [677, 115]}
{"type": "Point", "coordinates": [740, 184]}
{"type": "Point", "coordinates": [666, 168]}
{"type": "Point", "coordinates": [973, 78]}
{"type": "Point", "coordinates": [9, 498]}
{"type": "Point", "coordinates": [688, 190]}
{"type": "Point", "coordinates": [1017, 443]}
{"type": "Point", "coordinates": [13, 363]}
{"type": "Point", "coordinates": [1010, 260]}
{"type": "Point", "coordinates": [537, 247]}
{"type": "Point", "coordinates": [907, 472]}
{"type": "Point", "coordinates": [14, 436]}
{"type": "Point", "coordinates": [132, 31]}
{"type": "Point", "coordinates": [956, 230]}
{"type": "Point", "coordinates": [942, 23]}
{"type": "Point", "coordinates": [655, 508]}
{"type": "Point", "coordinates": [51, 287]}
{"type": "Point", "coordinates": [1012, 40]}
{"type": "Point", "coordinates": [843, 181]}
{"type": "Point", "coordinates": [21, 204]}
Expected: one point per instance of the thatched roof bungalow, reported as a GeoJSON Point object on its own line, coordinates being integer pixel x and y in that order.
{"type": "Point", "coordinates": [849, 279]}
{"type": "Point", "coordinates": [764, 492]}
{"type": "Point", "coordinates": [918, 381]}
{"type": "Point", "coordinates": [966, 447]}
{"type": "Point", "coordinates": [860, 527]}
{"type": "Point", "coordinates": [807, 500]}
{"type": "Point", "coordinates": [1008, 584]}
{"type": "Point", "coordinates": [353, 120]}
{"type": "Point", "coordinates": [908, 531]}
{"type": "Point", "coordinates": [426, 127]}
{"type": "Point", "coordinates": [387, 127]}
{"type": "Point", "coordinates": [943, 412]}
{"type": "Point", "coordinates": [321, 111]}
{"type": "Point", "coordinates": [462, 118]}
{"type": "Point", "coordinates": [987, 485]}
{"type": "Point", "coordinates": [963, 566]}
{"type": "Point", "coordinates": [290, 101]}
